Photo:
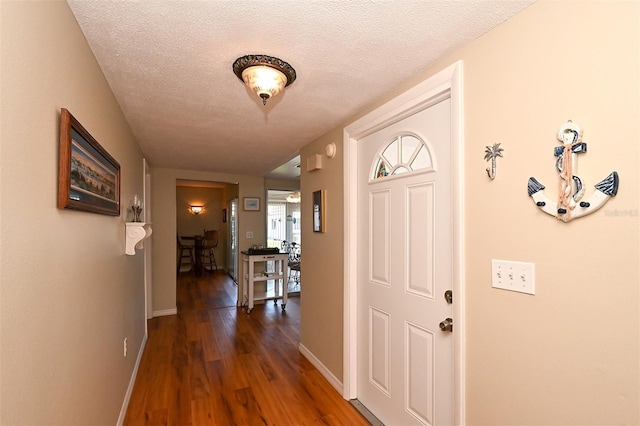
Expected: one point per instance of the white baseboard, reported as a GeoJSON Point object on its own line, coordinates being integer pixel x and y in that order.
{"type": "Point", "coordinates": [333, 380]}
{"type": "Point", "coordinates": [132, 381]}
{"type": "Point", "coordinates": [165, 312]}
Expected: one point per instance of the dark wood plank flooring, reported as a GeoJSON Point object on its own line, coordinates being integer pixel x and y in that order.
{"type": "Point", "coordinates": [212, 364]}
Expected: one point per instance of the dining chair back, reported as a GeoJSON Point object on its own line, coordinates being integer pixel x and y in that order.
{"type": "Point", "coordinates": [295, 257]}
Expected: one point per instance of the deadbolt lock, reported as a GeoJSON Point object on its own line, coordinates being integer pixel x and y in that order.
{"type": "Point", "coordinates": [448, 296]}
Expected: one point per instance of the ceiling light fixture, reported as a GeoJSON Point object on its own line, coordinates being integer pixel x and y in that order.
{"type": "Point", "coordinates": [294, 197]}
{"type": "Point", "coordinates": [265, 75]}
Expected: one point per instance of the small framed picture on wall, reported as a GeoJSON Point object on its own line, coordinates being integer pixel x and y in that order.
{"type": "Point", "coordinates": [251, 204]}
{"type": "Point", "coordinates": [318, 211]}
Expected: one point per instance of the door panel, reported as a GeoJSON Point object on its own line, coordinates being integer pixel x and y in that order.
{"type": "Point", "coordinates": [379, 349]}
{"type": "Point", "coordinates": [405, 375]}
{"type": "Point", "coordinates": [379, 232]}
{"type": "Point", "coordinates": [419, 229]}
{"type": "Point", "coordinates": [419, 372]}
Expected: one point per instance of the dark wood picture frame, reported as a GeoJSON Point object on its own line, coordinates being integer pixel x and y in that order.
{"type": "Point", "coordinates": [319, 224]}
{"type": "Point", "coordinates": [88, 177]}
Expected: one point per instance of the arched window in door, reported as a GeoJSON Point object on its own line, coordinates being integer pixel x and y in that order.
{"type": "Point", "coordinates": [404, 154]}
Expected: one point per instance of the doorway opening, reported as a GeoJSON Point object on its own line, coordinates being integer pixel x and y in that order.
{"type": "Point", "coordinates": [202, 207]}
{"type": "Point", "coordinates": [284, 231]}
{"type": "Point", "coordinates": [283, 218]}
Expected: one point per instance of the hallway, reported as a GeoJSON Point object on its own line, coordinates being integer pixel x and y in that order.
{"type": "Point", "coordinates": [212, 364]}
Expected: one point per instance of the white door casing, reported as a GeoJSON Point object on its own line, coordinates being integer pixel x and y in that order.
{"type": "Point", "coordinates": [410, 334]}
{"type": "Point", "coordinates": [148, 281]}
{"type": "Point", "coordinates": [404, 253]}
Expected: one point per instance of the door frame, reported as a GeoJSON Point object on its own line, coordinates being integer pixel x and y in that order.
{"type": "Point", "coordinates": [423, 95]}
{"type": "Point", "coordinates": [148, 258]}
{"type": "Point", "coordinates": [232, 255]}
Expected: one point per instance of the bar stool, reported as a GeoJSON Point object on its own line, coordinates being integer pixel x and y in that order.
{"type": "Point", "coordinates": [209, 244]}
{"type": "Point", "coordinates": [186, 257]}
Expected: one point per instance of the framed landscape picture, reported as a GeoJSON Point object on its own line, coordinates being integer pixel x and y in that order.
{"type": "Point", "coordinates": [252, 204]}
{"type": "Point", "coordinates": [88, 177]}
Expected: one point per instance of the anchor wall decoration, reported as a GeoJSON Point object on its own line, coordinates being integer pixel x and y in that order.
{"type": "Point", "coordinates": [570, 189]}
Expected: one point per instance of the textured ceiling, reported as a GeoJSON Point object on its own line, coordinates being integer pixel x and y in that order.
{"type": "Point", "coordinates": [169, 66]}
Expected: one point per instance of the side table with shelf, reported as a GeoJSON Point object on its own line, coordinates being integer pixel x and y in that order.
{"type": "Point", "coordinates": [251, 277]}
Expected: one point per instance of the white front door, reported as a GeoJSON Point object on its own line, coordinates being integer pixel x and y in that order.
{"type": "Point", "coordinates": [404, 251]}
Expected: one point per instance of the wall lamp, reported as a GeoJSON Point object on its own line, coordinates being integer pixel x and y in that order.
{"type": "Point", "coordinates": [196, 209]}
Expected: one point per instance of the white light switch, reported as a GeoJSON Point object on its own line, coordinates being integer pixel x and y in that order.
{"type": "Point", "coordinates": [249, 235]}
{"type": "Point", "coordinates": [514, 276]}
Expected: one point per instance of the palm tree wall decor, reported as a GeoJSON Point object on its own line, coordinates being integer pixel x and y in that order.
{"type": "Point", "coordinates": [490, 154]}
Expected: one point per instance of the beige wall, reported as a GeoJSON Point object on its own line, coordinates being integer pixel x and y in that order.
{"type": "Point", "coordinates": [211, 216]}
{"type": "Point", "coordinates": [569, 354]}
{"type": "Point", "coordinates": [164, 215]}
{"type": "Point", "coordinates": [554, 357]}
{"type": "Point", "coordinates": [321, 272]}
{"type": "Point", "coordinates": [282, 184]}
{"type": "Point", "coordinates": [69, 294]}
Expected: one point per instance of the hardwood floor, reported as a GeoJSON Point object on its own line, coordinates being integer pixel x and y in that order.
{"type": "Point", "coordinates": [212, 364]}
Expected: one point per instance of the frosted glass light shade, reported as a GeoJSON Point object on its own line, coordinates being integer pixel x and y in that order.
{"type": "Point", "coordinates": [294, 197]}
{"type": "Point", "coordinates": [266, 76]}
{"type": "Point", "coordinates": [264, 81]}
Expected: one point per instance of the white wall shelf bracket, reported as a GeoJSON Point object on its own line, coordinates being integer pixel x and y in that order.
{"type": "Point", "coordinates": [136, 233]}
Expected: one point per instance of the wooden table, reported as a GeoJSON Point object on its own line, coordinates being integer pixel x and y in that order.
{"type": "Point", "coordinates": [198, 244]}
